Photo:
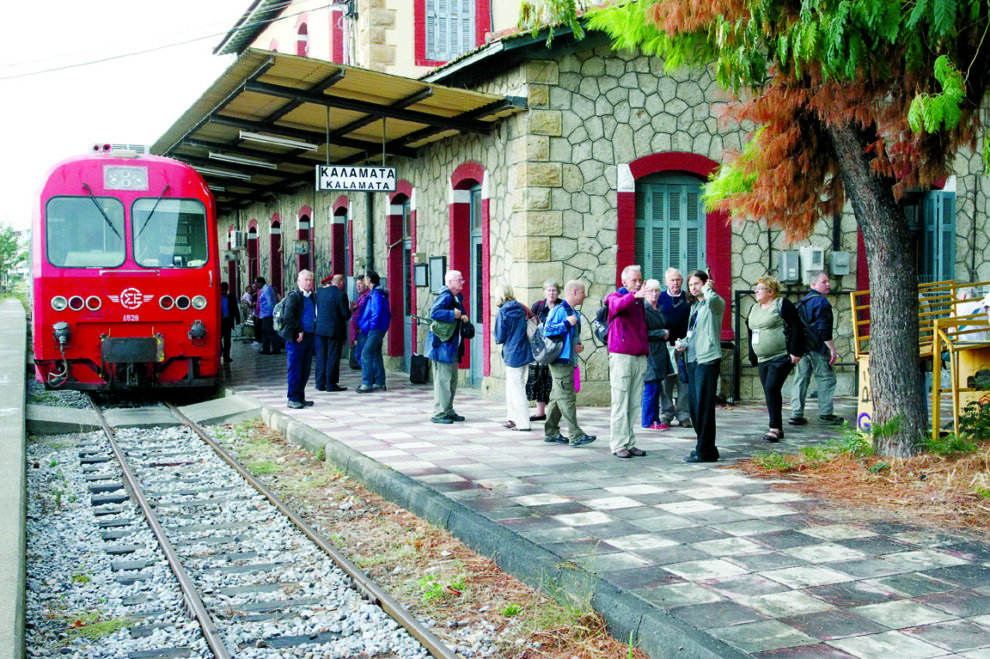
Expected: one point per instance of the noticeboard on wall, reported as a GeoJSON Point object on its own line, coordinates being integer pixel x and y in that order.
{"type": "Point", "coordinates": [438, 268]}
{"type": "Point", "coordinates": [421, 274]}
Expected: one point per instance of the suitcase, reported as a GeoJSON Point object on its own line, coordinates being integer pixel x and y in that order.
{"type": "Point", "coordinates": [419, 369]}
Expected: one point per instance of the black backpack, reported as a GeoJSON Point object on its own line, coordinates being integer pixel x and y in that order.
{"type": "Point", "coordinates": [599, 326]}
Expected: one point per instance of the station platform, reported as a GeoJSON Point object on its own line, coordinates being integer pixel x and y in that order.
{"type": "Point", "coordinates": [688, 560]}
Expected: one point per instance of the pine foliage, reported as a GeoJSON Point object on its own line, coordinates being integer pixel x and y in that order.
{"type": "Point", "coordinates": [913, 73]}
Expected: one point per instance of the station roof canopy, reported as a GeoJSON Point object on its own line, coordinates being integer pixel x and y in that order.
{"type": "Point", "coordinates": [267, 122]}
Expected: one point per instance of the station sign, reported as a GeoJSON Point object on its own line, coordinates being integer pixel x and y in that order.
{"type": "Point", "coordinates": [348, 177]}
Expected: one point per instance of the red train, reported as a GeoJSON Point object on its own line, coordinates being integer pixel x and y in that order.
{"type": "Point", "coordinates": [126, 275]}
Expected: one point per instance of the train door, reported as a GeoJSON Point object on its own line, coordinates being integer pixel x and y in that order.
{"type": "Point", "coordinates": [477, 279]}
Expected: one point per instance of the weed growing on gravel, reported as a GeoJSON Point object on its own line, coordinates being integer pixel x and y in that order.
{"type": "Point", "coordinates": [81, 578]}
{"type": "Point", "coordinates": [89, 625]}
{"type": "Point", "coordinates": [430, 588]}
{"type": "Point", "coordinates": [511, 610]}
{"type": "Point", "coordinates": [262, 467]}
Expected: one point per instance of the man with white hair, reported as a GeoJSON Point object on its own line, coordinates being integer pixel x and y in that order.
{"type": "Point", "coordinates": [628, 347]}
{"type": "Point", "coordinates": [445, 347]}
{"type": "Point", "coordinates": [299, 323]}
{"type": "Point", "coordinates": [676, 308]}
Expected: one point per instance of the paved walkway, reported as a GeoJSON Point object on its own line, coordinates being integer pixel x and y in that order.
{"type": "Point", "coordinates": [728, 562]}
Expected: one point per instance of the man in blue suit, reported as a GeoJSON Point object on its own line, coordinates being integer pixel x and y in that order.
{"type": "Point", "coordinates": [332, 313]}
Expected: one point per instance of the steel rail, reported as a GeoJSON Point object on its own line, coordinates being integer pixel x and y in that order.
{"type": "Point", "coordinates": [364, 583]}
{"type": "Point", "coordinates": [193, 600]}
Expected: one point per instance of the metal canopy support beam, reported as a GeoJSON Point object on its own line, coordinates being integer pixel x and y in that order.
{"type": "Point", "coordinates": [446, 123]}
{"type": "Point", "coordinates": [326, 84]}
{"type": "Point", "coordinates": [404, 103]}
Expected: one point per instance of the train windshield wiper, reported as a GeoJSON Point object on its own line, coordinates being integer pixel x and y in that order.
{"type": "Point", "coordinates": [102, 212]}
{"type": "Point", "coordinates": [153, 208]}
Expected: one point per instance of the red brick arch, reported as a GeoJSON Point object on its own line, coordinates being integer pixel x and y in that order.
{"type": "Point", "coordinates": [718, 232]}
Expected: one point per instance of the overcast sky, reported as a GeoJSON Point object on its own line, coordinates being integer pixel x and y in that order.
{"type": "Point", "coordinates": [133, 99]}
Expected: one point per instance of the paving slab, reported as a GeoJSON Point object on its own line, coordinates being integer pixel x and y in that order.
{"type": "Point", "coordinates": [13, 485]}
{"type": "Point", "coordinates": [689, 560]}
{"type": "Point", "coordinates": [51, 420]}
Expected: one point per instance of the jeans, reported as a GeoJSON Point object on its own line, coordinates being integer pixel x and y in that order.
{"type": "Point", "coordinates": [299, 363]}
{"type": "Point", "coordinates": [269, 337]}
{"type": "Point", "coordinates": [651, 402]}
{"type": "Point", "coordinates": [817, 363]}
{"type": "Point", "coordinates": [372, 362]}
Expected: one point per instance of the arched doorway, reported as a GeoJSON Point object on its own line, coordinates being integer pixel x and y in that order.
{"type": "Point", "coordinates": [469, 253]}
{"type": "Point", "coordinates": [670, 181]}
{"type": "Point", "coordinates": [252, 251]}
{"type": "Point", "coordinates": [275, 253]}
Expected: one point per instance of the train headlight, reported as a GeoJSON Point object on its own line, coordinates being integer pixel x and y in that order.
{"type": "Point", "coordinates": [166, 302]}
{"type": "Point", "coordinates": [182, 302]}
{"type": "Point", "coordinates": [199, 302]}
{"type": "Point", "coordinates": [59, 303]}
{"type": "Point", "coordinates": [93, 303]}
{"type": "Point", "coordinates": [76, 303]}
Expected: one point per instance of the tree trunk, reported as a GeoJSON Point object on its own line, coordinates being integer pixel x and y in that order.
{"type": "Point", "coordinates": [895, 364]}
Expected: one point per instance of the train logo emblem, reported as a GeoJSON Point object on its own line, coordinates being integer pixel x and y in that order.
{"type": "Point", "coordinates": [131, 298]}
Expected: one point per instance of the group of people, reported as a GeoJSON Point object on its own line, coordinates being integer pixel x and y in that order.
{"type": "Point", "coordinates": [665, 355]}
{"type": "Point", "coordinates": [314, 325]}
{"type": "Point", "coordinates": [664, 350]}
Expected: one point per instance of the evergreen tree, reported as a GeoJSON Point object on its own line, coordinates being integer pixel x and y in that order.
{"type": "Point", "coordinates": [851, 99]}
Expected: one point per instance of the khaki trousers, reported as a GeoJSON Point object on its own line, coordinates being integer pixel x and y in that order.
{"type": "Point", "coordinates": [444, 387]}
{"type": "Point", "coordinates": [626, 375]}
{"type": "Point", "coordinates": [562, 406]}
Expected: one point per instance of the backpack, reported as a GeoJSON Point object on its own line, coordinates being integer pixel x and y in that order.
{"type": "Point", "coordinates": [600, 325]}
{"type": "Point", "coordinates": [812, 341]}
{"type": "Point", "coordinates": [545, 349]}
{"type": "Point", "coordinates": [278, 315]}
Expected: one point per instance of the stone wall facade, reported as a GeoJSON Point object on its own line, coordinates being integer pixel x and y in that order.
{"type": "Point", "coordinates": [556, 184]}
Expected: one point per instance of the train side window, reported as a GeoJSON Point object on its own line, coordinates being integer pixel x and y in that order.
{"type": "Point", "coordinates": [169, 233]}
{"type": "Point", "coordinates": [84, 232]}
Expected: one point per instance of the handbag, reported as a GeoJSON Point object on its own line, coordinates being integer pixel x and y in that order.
{"type": "Point", "coordinates": [467, 331]}
{"type": "Point", "coordinates": [442, 329]}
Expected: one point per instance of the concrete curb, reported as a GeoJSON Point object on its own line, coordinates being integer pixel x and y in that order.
{"type": "Point", "coordinates": [652, 629]}
{"type": "Point", "coordinates": [13, 491]}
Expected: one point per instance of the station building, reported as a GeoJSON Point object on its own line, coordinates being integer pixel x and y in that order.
{"type": "Point", "coordinates": [567, 161]}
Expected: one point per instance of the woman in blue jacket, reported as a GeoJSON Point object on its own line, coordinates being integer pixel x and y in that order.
{"type": "Point", "coordinates": [510, 333]}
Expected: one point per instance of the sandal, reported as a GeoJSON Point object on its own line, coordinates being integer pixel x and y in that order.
{"type": "Point", "coordinates": [773, 435]}
{"type": "Point", "coordinates": [509, 424]}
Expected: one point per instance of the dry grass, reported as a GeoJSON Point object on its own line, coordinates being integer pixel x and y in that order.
{"type": "Point", "coordinates": [427, 570]}
{"type": "Point", "coordinates": [927, 490]}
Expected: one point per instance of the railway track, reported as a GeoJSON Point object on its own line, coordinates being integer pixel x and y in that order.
{"type": "Point", "coordinates": [257, 579]}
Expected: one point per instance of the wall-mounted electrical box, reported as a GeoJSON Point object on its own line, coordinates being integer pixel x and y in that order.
{"type": "Point", "coordinates": [839, 263]}
{"type": "Point", "coordinates": [789, 266]}
{"type": "Point", "coordinates": [812, 261]}
{"type": "Point", "coordinates": [237, 240]}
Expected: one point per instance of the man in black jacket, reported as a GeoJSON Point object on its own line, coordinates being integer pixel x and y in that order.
{"type": "Point", "coordinates": [229, 316]}
{"type": "Point", "coordinates": [332, 312]}
{"type": "Point", "coordinates": [299, 322]}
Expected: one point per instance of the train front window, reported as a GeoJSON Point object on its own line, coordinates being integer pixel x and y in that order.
{"type": "Point", "coordinates": [84, 232]}
{"type": "Point", "coordinates": [169, 233]}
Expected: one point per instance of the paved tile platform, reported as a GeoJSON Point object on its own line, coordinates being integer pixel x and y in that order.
{"type": "Point", "coordinates": [758, 570]}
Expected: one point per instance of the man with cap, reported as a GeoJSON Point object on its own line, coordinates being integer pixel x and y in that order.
{"type": "Point", "coordinates": [332, 312]}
